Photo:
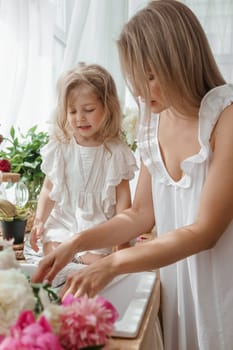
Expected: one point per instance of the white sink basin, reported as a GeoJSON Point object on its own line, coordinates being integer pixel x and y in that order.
{"type": "Point", "coordinates": [129, 294]}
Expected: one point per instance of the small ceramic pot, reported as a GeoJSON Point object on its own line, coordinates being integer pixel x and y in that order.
{"type": "Point", "coordinates": [14, 230]}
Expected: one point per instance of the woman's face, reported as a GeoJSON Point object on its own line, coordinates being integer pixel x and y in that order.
{"type": "Point", "coordinates": [157, 104]}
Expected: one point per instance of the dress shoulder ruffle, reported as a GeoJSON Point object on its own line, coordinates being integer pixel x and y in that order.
{"type": "Point", "coordinates": [53, 166]}
{"type": "Point", "coordinates": [121, 166]}
{"type": "Point", "coordinates": [212, 105]}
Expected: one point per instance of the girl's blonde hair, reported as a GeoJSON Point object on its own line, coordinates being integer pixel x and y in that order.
{"type": "Point", "coordinates": [167, 39]}
{"type": "Point", "coordinates": [99, 82]}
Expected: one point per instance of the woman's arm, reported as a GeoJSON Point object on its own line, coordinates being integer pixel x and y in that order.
{"type": "Point", "coordinates": [44, 207]}
{"type": "Point", "coordinates": [214, 215]}
{"type": "Point", "coordinates": [122, 227]}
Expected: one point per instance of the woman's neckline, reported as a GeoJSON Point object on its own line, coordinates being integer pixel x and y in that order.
{"type": "Point", "coordinates": [164, 167]}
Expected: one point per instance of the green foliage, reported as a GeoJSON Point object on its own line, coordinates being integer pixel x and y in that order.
{"type": "Point", "coordinates": [47, 291]}
{"type": "Point", "coordinates": [23, 152]}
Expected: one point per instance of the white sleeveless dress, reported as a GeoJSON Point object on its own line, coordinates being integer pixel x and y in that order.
{"type": "Point", "coordinates": [84, 185]}
{"type": "Point", "coordinates": [197, 292]}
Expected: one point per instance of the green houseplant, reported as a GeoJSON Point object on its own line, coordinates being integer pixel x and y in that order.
{"type": "Point", "coordinates": [22, 150]}
{"type": "Point", "coordinates": [13, 221]}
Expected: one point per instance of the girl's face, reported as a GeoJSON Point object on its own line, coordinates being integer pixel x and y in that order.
{"type": "Point", "coordinates": [85, 114]}
{"type": "Point", "coordinates": [157, 103]}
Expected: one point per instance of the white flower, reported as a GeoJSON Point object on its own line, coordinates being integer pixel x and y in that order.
{"type": "Point", "coordinates": [52, 314]}
{"type": "Point", "coordinates": [130, 124]}
{"type": "Point", "coordinates": [15, 295]}
{"type": "Point", "coordinates": [7, 259]}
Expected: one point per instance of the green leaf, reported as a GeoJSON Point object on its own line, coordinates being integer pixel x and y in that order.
{"type": "Point", "coordinates": [12, 132]}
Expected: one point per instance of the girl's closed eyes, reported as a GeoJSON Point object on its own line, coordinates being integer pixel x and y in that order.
{"type": "Point", "coordinates": [74, 111]}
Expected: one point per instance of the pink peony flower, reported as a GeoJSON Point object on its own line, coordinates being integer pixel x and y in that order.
{"type": "Point", "coordinates": [86, 322]}
{"type": "Point", "coordinates": [5, 165]}
{"type": "Point", "coordinates": [107, 305]}
{"type": "Point", "coordinates": [69, 300]}
{"type": "Point", "coordinates": [31, 334]}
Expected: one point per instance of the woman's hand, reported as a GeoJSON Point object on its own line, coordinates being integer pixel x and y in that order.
{"type": "Point", "coordinates": [90, 258]}
{"type": "Point", "coordinates": [52, 263]}
{"type": "Point", "coordinates": [90, 280]}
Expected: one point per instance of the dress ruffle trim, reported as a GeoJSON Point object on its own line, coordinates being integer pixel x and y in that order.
{"type": "Point", "coordinates": [122, 166]}
{"type": "Point", "coordinates": [52, 165]}
{"type": "Point", "coordinates": [213, 103]}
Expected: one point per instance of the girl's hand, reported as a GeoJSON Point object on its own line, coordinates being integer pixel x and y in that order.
{"type": "Point", "coordinates": [36, 233]}
{"type": "Point", "coordinates": [52, 263]}
{"type": "Point", "coordinates": [90, 280]}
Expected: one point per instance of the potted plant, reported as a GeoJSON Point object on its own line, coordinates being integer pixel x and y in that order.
{"type": "Point", "coordinates": [13, 221]}
{"type": "Point", "coordinates": [22, 150]}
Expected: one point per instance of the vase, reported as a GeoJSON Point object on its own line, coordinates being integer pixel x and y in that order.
{"type": "Point", "coordinates": [14, 230]}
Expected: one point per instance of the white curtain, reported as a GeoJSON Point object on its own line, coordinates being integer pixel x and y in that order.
{"type": "Point", "coordinates": [95, 26]}
{"type": "Point", "coordinates": [26, 35]}
{"type": "Point", "coordinates": [216, 17]}
{"type": "Point", "coordinates": [27, 59]}
{"type": "Point", "coordinates": [94, 29]}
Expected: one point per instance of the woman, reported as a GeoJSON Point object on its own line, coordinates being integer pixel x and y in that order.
{"type": "Point", "coordinates": [185, 183]}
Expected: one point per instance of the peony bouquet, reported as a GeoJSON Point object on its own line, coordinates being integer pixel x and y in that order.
{"type": "Point", "coordinates": [32, 317]}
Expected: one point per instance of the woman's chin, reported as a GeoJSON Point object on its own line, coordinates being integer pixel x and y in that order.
{"type": "Point", "coordinates": [156, 107]}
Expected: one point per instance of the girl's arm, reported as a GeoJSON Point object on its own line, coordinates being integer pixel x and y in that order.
{"type": "Point", "coordinates": [123, 196]}
{"type": "Point", "coordinates": [44, 208]}
{"type": "Point", "coordinates": [123, 201]}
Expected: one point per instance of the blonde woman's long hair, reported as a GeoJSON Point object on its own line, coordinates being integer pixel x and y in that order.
{"type": "Point", "coordinates": [167, 39]}
{"type": "Point", "coordinates": [99, 82]}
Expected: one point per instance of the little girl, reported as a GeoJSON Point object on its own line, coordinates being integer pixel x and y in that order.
{"type": "Point", "coordinates": [86, 162]}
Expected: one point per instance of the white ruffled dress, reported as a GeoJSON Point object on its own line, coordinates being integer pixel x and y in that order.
{"type": "Point", "coordinates": [197, 292]}
{"type": "Point", "coordinates": [84, 185]}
